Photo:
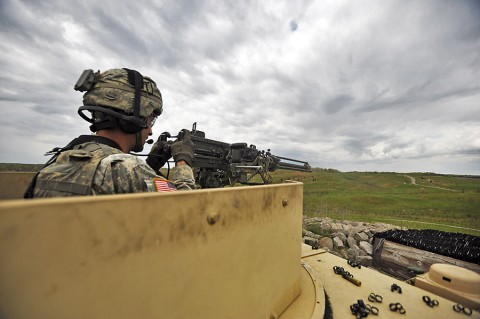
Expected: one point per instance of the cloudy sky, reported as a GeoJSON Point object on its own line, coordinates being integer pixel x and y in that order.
{"type": "Point", "coordinates": [351, 85]}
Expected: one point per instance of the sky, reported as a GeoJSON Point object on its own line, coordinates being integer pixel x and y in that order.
{"type": "Point", "coordinates": [388, 86]}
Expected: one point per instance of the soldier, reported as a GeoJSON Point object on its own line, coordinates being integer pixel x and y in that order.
{"type": "Point", "coordinates": [123, 107]}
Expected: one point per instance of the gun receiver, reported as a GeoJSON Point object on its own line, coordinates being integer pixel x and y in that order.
{"type": "Point", "coordinates": [218, 164]}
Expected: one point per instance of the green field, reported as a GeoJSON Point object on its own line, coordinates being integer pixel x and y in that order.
{"type": "Point", "coordinates": [442, 202]}
{"type": "Point", "coordinates": [448, 203]}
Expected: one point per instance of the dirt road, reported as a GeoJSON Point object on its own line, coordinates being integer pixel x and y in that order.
{"type": "Point", "coordinates": [412, 180]}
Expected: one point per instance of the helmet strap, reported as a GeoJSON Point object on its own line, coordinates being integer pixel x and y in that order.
{"type": "Point", "coordinates": [135, 79]}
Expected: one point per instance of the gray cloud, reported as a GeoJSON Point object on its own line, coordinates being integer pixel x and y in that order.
{"type": "Point", "coordinates": [338, 103]}
{"type": "Point", "coordinates": [360, 86]}
{"type": "Point", "coordinates": [293, 25]}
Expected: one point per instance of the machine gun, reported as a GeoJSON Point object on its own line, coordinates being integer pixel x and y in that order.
{"type": "Point", "coordinates": [217, 164]}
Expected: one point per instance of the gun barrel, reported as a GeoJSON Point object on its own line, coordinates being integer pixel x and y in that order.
{"type": "Point", "coordinates": [291, 159]}
{"type": "Point", "coordinates": [291, 166]}
{"type": "Point", "coordinates": [295, 167]}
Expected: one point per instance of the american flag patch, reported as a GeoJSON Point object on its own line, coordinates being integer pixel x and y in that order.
{"type": "Point", "coordinates": [162, 185]}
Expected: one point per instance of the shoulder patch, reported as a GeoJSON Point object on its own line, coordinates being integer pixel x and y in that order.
{"type": "Point", "coordinates": [163, 185]}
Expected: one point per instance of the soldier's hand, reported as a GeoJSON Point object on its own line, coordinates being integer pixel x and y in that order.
{"type": "Point", "coordinates": [182, 148]}
{"type": "Point", "coordinates": [159, 155]}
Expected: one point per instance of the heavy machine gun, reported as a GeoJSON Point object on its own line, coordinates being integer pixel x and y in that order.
{"type": "Point", "coordinates": [217, 164]}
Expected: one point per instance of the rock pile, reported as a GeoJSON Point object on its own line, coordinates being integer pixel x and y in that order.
{"type": "Point", "coordinates": [347, 239]}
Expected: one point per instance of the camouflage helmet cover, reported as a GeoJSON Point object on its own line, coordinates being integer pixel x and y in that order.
{"type": "Point", "coordinates": [113, 90]}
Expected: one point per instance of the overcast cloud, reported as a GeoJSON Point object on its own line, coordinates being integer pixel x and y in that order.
{"type": "Point", "coordinates": [350, 85]}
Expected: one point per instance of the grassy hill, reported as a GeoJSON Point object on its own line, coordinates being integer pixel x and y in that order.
{"type": "Point", "coordinates": [442, 202]}
{"type": "Point", "coordinates": [16, 167]}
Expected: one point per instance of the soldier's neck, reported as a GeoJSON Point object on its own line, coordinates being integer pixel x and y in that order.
{"type": "Point", "coordinates": [122, 139]}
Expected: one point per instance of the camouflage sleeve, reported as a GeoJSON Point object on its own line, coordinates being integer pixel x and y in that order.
{"type": "Point", "coordinates": [122, 173]}
{"type": "Point", "coordinates": [183, 178]}
{"type": "Point", "coordinates": [125, 173]}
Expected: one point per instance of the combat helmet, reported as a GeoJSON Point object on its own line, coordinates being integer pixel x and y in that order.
{"type": "Point", "coordinates": [118, 98]}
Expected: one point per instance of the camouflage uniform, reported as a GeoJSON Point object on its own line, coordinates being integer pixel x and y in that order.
{"type": "Point", "coordinates": [92, 165]}
{"type": "Point", "coordinates": [93, 168]}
